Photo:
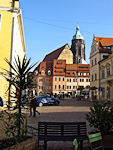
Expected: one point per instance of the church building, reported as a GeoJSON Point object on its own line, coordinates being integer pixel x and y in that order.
{"type": "Point", "coordinates": [63, 70]}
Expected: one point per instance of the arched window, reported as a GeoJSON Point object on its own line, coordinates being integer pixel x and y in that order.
{"type": "Point", "coordinates": [36, 72]}
{"type": "Point", "coordinates": [43, 72]}
{"type": "Point", "coordinates": [49, 72]}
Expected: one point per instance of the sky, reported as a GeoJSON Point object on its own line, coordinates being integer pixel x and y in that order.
{"type": "Point", "coordinates": [50, 24]}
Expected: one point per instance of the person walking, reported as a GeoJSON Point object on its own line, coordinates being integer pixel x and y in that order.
{"type": "Point", "coordinates": [33, 105]}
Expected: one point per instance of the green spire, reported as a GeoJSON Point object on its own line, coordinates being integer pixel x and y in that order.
{"type": "Point", "coordinates": [78, 34]}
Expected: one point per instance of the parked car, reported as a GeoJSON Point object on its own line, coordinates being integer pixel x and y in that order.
{"type": "Point", "coordinates": [44, 100]}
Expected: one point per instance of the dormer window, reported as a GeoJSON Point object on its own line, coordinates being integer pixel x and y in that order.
{"type": "Point", "coordinates": [43, 72]}
{"type": "Point", "coordinates": [59, 62]}
{"type": "Point", "coordinates": [36, 72]}
{"type": "Point", "coordinates": [49, 72]}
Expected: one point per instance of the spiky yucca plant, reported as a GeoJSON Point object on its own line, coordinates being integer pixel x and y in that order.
{"type": "Point", "coordinates": [17, 78]}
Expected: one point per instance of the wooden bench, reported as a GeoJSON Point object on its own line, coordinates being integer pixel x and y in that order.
{"type": "Point", "coordinates": [62, 131]}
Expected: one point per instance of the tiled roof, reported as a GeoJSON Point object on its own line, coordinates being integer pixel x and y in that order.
{"type": "Point", "coordinates": [54, 55]}
{"type": "Point", "coordinates": [45, 66]}
{"type": "Point", "coordinates": [49, 66]}
{"type": "Point", "coordinates": [71, 67]}
{"type": "Point", "coordinates": [83, 66]}
{"type": "Point", "coordinates": [102, 41]}
{"type": "Point", "coordinates": [59, 67]}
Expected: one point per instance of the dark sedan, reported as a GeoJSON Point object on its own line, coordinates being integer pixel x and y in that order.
{"type": "Point", "coordinates": [44, 100]}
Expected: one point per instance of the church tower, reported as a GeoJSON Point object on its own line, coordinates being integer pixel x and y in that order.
{"type": "Point", "coordinates": [78, 47]}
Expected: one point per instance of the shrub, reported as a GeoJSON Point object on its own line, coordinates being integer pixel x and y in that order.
{"type": "Point", "coordinates": [101, 117]}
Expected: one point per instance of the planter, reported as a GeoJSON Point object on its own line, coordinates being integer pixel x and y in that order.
{"type": "Point", "coordinates": [107, 141]}
{"type": "Point", "coordinates": [30, 144]}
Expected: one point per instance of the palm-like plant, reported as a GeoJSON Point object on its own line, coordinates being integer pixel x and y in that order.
{"type": "Point", "coordinates": [17, 78]}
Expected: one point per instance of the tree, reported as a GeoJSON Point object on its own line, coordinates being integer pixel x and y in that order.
{"type": "Point", "coordinates": [17, 78]}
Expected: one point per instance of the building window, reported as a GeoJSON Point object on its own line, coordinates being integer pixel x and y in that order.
{"type": "Point", "coordinates": [81, 80]}
{"type": "Point", "coordinates": [55, 86]}
{"type": "Point", "coordinates": [59, 79]}
{"type": "Point", "coordinates": [59, 86]}
{"type": "Point", "coordinates": [87, 80]}
{"type": "Point", "coordinates": [74, 80]}
{"type": "Point", "coordinates": [74, 87]}
{"type": "Point", "coordinates": [36, 72]}
{"type": "Point", "coordinates": [81, 74]}
{"type": "Point", "coordinates": [49, 72]}
{"type": "Point", "coordinates": [103, 74]}
{"type": "Point", "coordinates": [108, 71]}
{"type": "Point", "coordinates": [63, 86]}
{"type": "Point", "coordinates": [59, 62]}
{"type": "Point", "coordinates": [63, 79]}
{"type": "Point", "coordinates": [70, 80]}
{"type": "Point", "coordinates": [92, 63]}
{"type": "Point", "coordinates": [55, 78]}
{"type": "Point", "coordinates": [43, 72]}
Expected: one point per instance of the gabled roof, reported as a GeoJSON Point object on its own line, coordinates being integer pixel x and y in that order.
{"type": "Point", "coordinates": [102, 41]}
{"type": "Point", "coordinates": [55, 54]}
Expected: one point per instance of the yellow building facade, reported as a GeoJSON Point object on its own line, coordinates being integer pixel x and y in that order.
{"type": "Point", "coordinates": [106, 78]}
{"type": "Point", "coordinates": [101, 48]}
{"type": "Point", "coordinates": [12, 42]}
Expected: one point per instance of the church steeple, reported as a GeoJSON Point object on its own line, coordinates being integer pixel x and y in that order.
{"type": "Point", "coordinates": [78, 34]}
{"type": "Point", "coordinates": [78, 47]}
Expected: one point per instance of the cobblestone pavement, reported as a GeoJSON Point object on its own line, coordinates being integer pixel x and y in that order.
{"type": "Point", "coordinates": [69, 110]}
